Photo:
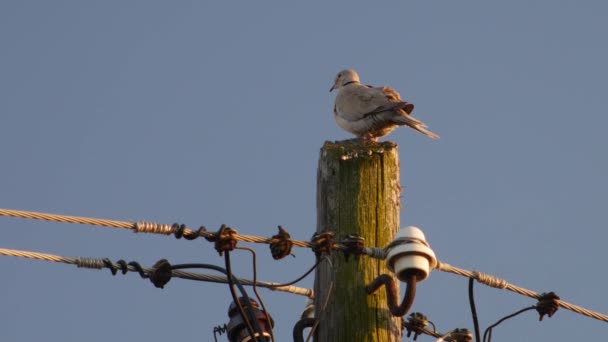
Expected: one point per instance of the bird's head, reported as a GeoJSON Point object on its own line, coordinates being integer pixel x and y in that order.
{"type": "Point", "coordinates": [345, 77]}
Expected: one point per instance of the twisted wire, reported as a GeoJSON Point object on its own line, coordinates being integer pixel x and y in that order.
{"type": "Point", "coordinates": [65, 218]}
{"type": "Point", "coordinates": [93, 263]}
{"type": "Point", "coordinates": [157, 228]}
{"type": "Point", "coordinates": [153, 228]}
{"type": "Point", "coordinates": [137, 227]}
{"type": "Point", "coordinates": [38, 256]}
{"type": "Point", "coordinates": [499, 283]}
{"type": "Point", "coordinates": [376, 253]}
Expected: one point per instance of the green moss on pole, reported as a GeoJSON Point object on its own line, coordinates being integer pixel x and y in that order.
{"type": "Point", "coordinates": [357, 193]}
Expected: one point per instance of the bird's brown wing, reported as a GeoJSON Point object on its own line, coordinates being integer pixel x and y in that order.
{"type": "Point", "coordinates": [358, 102]}
{"type": "Point", "coordinates": [390, 100]}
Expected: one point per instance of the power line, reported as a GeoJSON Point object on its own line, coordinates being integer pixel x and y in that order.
{"type": "Point", "coordinates": [499, 283]}
{"type": "Point", "coordinates": [94, 263]}
{"type": "Point", "coordinates": [487, 335]}
{"type": "Point", "coordinates": [137, 227]}
{"type": "Point", "coordinates": [255, 288]}
{"type": "Point", "coordinates": [158, 228]}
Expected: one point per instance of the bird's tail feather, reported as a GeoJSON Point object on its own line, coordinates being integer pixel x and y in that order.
{"type": "Point", "coordinates": [415, 124]}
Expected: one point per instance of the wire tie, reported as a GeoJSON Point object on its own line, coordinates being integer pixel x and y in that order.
{"type": "Point", "coordinates": [322, 242]}
{"type": "Point", "coordinates": [354, 244]}
{"type": "Point", "coordinates": [82, 262]}
{"type": "Point", "coordinates": [404, 240]}
{"type": "Point", "coordinates": [151, 227]}
{"type": "Point", "coordinates": [224, 239]}
{"type": "Point", "coordinates": [161, 273]}
{"type": "Point", "coordinates": [281, 244]}
{"type": "Point", "coordinates": [181, 231]}
{"type": "Point", "coordinates": [375, 252]}
{"type": "Point", "coordinates": [109, 264]}
{"type": "Point", "coordinates": [548, 303]}
{"type": "Point", "coordinates": [490, 280]}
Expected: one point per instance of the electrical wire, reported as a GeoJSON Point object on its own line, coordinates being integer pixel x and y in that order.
{"type": "Point", "coordinates": [220, 329]}
{"type": "Point", "coordinates": [137, 227]}
{"type": "Point", "coordinates": [298, 329]}
{"type": "Point", "coordinates": [443, 337]}
{"type": "Point", "coordinates": [237, 302]}
{"type": "Point", "coordinates": [488, 332]}
{"type": "Point", "coordinates": [392, 292]}
{"type": "Point", "coordinates": [502, 284]}
{"type": "Point", "coordinates": [311, 333]}
{"type": "Point", "coordinates": [98, 264]}
{"type": "Point", "coordinates": [255, 290]}
{"type": "Point", "coordinates": [473, 309]}
{"type": "Point", "coordinates": [423, 330]}
{"type": "Point", "coordinates": [233, 281]}
{"type": "Point", "coordinates": [325, 257]}
{"type": "Point", "coordinates": [434, 328]}
{"type": "Point", "coordinates": [65, 218]}
{"type": "Point", "coordinates": [156, 228]}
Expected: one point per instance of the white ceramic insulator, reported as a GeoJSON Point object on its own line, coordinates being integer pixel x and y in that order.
{"type": "Point", "coordinates": [413, 255]}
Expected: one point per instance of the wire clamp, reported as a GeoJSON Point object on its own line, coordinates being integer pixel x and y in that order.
{"type": "Point", "coordinates": [354, 244]}
{"type": "Point", "coordinates": [281, 244]}
{"type": "Point", "coordinates": [461, 335]}
{"type": "Point", "coordinates": [224, 239]}
{"type": "Point", "coordinates": [161, 273]}
{"type": "Point", "coordinates": [548, 303]}
{"type": "Point", "coordinates": [415, 323]}
{"type": "Point", "coordinates": [322, 242]}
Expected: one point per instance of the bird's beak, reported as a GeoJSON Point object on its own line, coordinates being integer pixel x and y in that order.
{"type": "Point", "coordinates": [332, 88]}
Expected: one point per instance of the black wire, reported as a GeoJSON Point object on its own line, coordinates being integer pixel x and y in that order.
{"type": "Point", "coordinates": [238, 302]}
{"type": "Point", "coordinates": [298, 329]}
{"type": "Point", "coordinates": [392, 292]}
{"type": "Point", "coordinates": [435, 328]}
{"type": "Point", "coordinates": [410, 293]}
{"type": "Point", "coordinates": [488, 331]}
{"type": "Point", "coordinates": [225, 272]}
{"type": "Point", "coordinates": [473, 309]}
{"type": "Point", "coordinates": [219, 330]}
{"type": "Point", "coordinates": [311, 333]}
{"type": "Point", "coordinates": [255, 289]}
{"type": "Point", "coordinates": [300, 278]}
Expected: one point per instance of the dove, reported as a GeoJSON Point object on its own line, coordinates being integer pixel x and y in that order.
{"type": "Point", "coordinates": [371, 112]}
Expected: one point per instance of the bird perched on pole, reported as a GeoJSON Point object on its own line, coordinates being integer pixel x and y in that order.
{"type": "Point", "coordinates": [371, 112]}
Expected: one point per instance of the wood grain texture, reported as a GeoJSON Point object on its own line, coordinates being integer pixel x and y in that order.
{"type": "Point", "coordinates": [358, 192]}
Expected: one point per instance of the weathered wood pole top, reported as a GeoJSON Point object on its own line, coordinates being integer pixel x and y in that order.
{"type": "Point", "coordinates": [358, 192]}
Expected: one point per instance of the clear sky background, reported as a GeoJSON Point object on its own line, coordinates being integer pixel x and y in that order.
{"type": "Point", "coordinates": [211, 113]}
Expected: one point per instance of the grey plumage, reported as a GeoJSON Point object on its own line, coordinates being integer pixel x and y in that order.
{"type": "Point", "coordinates": [372, 112]}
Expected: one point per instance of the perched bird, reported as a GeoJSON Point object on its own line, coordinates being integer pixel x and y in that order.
{"type": "Point", "coordinates": [371, 112]}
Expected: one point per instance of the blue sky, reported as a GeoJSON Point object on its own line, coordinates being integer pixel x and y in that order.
{"type": "Point", "coordinates": [209, 113]}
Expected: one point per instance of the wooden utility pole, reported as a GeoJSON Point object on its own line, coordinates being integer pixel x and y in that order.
{"type": "Point", "coordinates": [358, 192]}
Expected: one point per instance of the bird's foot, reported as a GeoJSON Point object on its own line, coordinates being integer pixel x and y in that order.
{"type": "Point", "coordinates": [366, 139]}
